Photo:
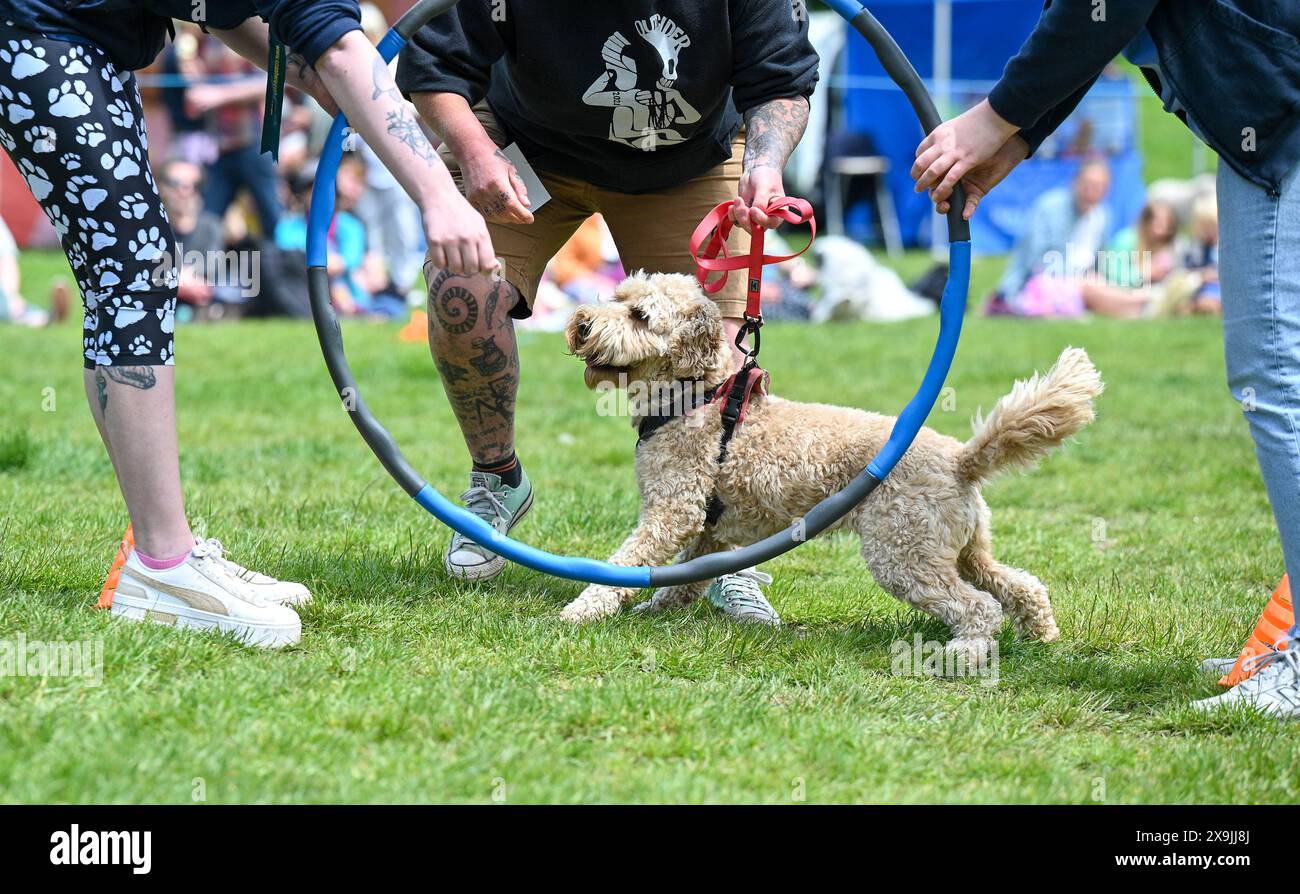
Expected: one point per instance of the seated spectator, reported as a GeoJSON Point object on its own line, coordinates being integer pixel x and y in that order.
{"type": "Point", "coordinates": [1143, 254]}
{"type": "Point", "coordinates": [1051, 269]}
{"type": "Point", "coordinates": [585, 270]}
{"type": "Point", "coordinates": [580, 269]}
{"type": "Point", "coordinates": [291, 236]}
{"type": "Point", "coordinates": [372, 288]}
{"type": "Point", "coordinates": [1193, 288]}
{"type": "Point", "coordinates": [1202, 257]}
{"type": "Point", "coordinates": [198, 231]}
{"type": "Point", "coordinates": [359, 285]}
{"type": "Point", "coordinates": [13, 306]}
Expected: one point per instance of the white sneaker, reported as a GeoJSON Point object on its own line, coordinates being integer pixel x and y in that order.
{"type": "Point", "coordinates": [201, 593]}
{"type": "Point", "coordinates": [285, 592]}
{"type": "Point", "coordinates": [1273, 690]}
{"type": "Point", "coordinates": [1217, 666]}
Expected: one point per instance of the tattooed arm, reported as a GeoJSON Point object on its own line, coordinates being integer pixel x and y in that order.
{"type": "Point", "coordinates": [251, 39]}
{"type": "Point", "coordinates": [358, 78]}
{"type": "Point", "coordinates": [352, 72]}
{"type": "Point", "coordinates": [772, 130]}
{"type": "Point", "coordinates": [492, 184]}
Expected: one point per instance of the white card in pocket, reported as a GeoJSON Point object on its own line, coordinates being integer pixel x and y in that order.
{"type": "Point", "coordinates": [537, 194]}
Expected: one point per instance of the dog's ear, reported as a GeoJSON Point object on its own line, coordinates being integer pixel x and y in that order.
{"type": "Point", "coordinates": [693, 346]}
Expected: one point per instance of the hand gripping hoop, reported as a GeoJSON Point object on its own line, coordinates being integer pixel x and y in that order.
{"type": "Point", "coordinates": [952, 308]}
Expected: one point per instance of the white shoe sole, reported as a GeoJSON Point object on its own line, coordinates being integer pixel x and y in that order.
{"type": "Point", "coordinates": [162, 608]}
{"type": "Point", "coordinates": [1219, 703]}
{"type": "Point", "coordinates": [482, 571]}
{"type": "Point", "coordinates": [493, 566]}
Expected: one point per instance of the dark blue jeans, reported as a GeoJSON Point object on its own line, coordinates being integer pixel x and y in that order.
{"type": "Point", "coordinates": [248, 167]}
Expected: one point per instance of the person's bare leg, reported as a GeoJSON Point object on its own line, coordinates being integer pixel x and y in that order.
{"type": "Point", "coordinates": [135, 411]}
{"type": "Point", "coordinates": [472, 339]}
{"type": "Point", "coordinates": [1114, 301]}
{"type": "Point", "coordinates": [91, 379]}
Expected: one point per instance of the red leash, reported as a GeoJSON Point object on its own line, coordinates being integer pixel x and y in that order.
{"type": "Point", "coordinates": [709, 249]}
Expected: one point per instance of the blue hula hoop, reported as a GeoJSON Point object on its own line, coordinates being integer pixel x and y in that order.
{"type": "Point", "coordinates": [952, 309]}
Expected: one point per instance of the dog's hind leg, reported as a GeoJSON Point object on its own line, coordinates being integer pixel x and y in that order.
{"type": "Point", "coordinates": [1023, 596]}
{"type": "Point", "coordinates": [972, 615]}
{"type": "Point", "coordinates": [900, 547]}
{"type": "Point", "coordinates": [684, 594]}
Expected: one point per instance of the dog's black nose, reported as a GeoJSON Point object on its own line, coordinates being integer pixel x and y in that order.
{"type": "Point", "coordinates": [584, 330]}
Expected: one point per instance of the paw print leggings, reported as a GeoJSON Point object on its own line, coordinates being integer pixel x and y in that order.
{"type": "Point", "coordinates": [73, 125]}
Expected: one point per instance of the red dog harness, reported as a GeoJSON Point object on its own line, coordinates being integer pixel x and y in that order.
{"type": "Point", "coordinates": [709, 250]}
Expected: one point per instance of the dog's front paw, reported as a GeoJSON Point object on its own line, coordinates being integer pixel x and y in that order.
{"type": "Point", "coordinates": [594, 603]}
{"type": "Point", "coordinates": [1039, 625]}
{"type": "Point", "coordinates": [665, 597]}
{"type": "Point", "coordinates": [966, 655]}
{"type": "Point", "coordinates": [1046, 633]}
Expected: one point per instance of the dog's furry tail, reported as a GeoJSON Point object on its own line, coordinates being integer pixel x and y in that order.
{"type": "Point", "coordinates": [1036, 416]}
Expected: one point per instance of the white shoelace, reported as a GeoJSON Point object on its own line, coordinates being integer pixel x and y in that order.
{"type": "Point", "coordinates": [214, 547]}
{"type": "Point", "coordinates": [1270, 665]}
{"type": "Point", "coordinates": [1288, 657]}
{"type": "Point", "coordinates": [486, 505]}
{"type": "Point", "coordinates": [210, 551]}
{"type": "Point", "coordinates": [744, 588]}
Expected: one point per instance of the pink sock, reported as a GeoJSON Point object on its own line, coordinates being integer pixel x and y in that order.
{"type": "Point", "coordinates": [160, 564]}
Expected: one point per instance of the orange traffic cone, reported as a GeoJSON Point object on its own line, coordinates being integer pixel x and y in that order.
{"type": "Point", "coordinates": [115, 570]}
{"type": "Point", "coordinates": [1277, 619]}
{"type": "Point", "coordinates": [416, 328]}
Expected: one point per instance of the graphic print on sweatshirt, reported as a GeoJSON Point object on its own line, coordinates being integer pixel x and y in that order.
{"type": "Point", "coordinates": [646, 108]}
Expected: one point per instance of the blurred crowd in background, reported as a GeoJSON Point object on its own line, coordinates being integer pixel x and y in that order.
{"type": "Point", "coordinates": [224, 195]}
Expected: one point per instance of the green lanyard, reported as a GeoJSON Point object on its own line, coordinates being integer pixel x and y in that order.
{"type": "Point", "coordinates": [275, 68]}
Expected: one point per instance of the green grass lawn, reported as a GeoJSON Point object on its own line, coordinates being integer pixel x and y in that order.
{"type": "Point", "coordinates": [1152, 531]}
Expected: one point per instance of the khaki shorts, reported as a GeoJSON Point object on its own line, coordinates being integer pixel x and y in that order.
{"type": "Point", "coordinates": [651, 230]}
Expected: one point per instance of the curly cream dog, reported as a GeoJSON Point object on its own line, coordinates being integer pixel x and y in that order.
{"type": "Point", "coordinates": [925, 530]}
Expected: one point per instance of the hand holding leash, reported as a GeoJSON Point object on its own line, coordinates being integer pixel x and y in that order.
{"type": "Point", "coordinates": [709, 249]}
{"type": "Point", "coordinates": [758, 187]}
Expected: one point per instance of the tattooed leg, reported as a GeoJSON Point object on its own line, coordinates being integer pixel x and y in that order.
{"type": "Point", "coordinates": [134, 410]}
{"type": "Point", "coordinates": [472, 339]}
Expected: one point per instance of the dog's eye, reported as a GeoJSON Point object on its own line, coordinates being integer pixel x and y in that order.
{"type": "Point", "coordinates": [638, 314]}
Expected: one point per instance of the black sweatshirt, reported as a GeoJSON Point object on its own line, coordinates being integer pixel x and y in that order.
{"type": "Point", "coordinates": [1229, 68]}
{"type": "Point", "coordinates": [132, 32]}
{"type": "Point", "coordinates": [631, 95]}
{"type": "Point", "coordinates": [1058, 64]}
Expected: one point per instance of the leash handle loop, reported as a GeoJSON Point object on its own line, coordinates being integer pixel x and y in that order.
{"type": "Point", "coordinates": [709, 249]}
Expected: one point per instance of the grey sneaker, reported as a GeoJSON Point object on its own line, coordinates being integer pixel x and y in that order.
{"type": "Point", "coordinates": [1273, 690]}
{"type": "Point", "coordinates": [499, 505]}
{"type": "Point", "coordinates": [740, 596]}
